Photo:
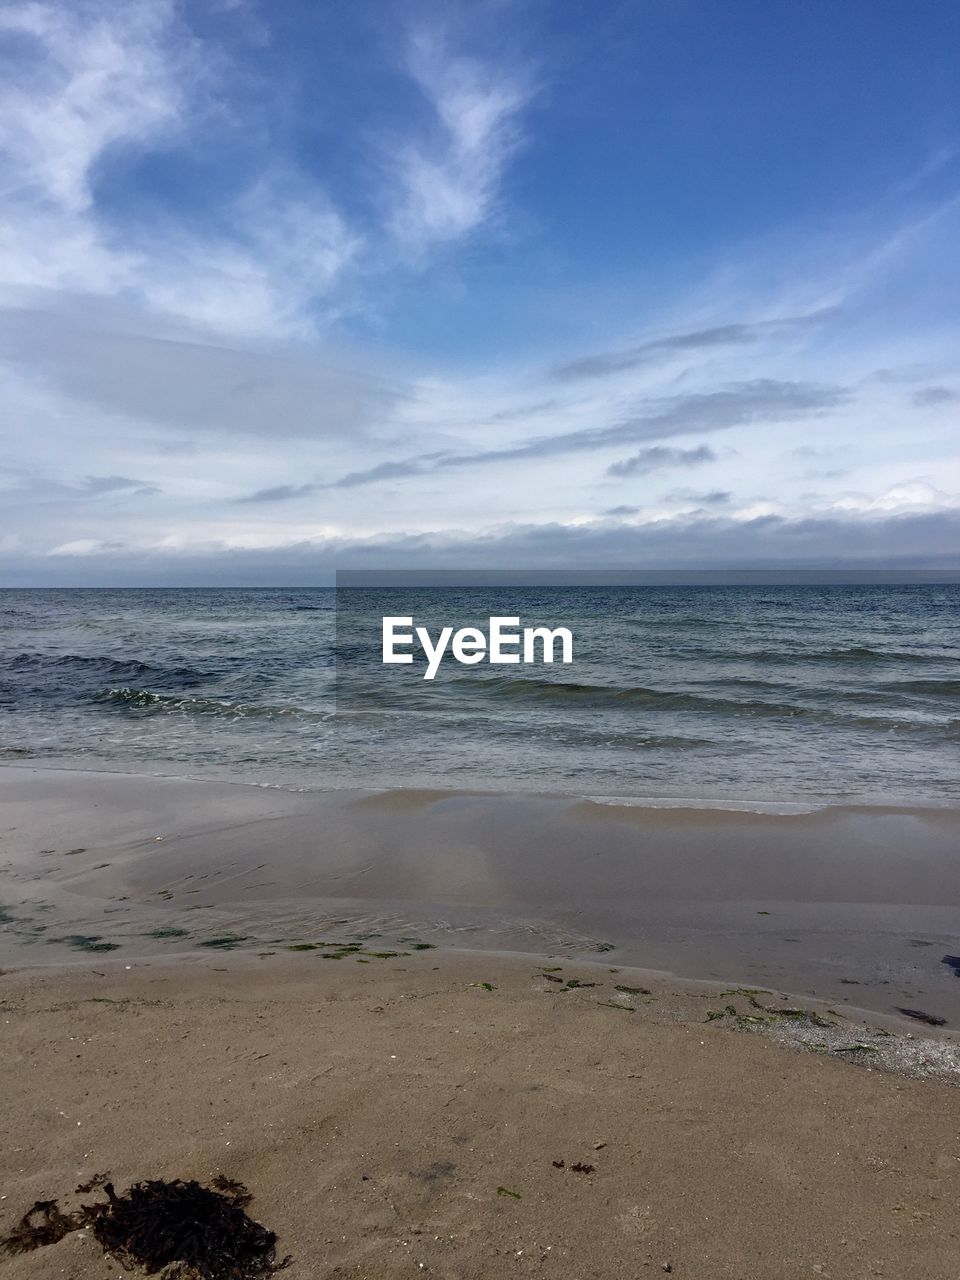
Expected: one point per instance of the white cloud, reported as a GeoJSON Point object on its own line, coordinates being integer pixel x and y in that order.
{"type": "Point", "coordinates": [450, 178]}
{"type": "Point", "coordinates": [96, 78]}
{"type": "Point", "coordinates": [83, 80]}
{"type": "Point", "coordinates": [81, 547]}
{"type": "Point", "coordinates": [87, 78]}
{"type": "Point", "coordinates": [195, 346]}
{"type": "Point", "coordinates": [696, 541]}
{"type": "Point", "coordinates": [84, 367]}
{"type": "Point", "coordinates": [910, 496]}
{"type": "Point", "coordinates": [287, 250]}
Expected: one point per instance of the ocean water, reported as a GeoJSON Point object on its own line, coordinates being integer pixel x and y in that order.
{"type": "Point", "coordinates": [702, 693]}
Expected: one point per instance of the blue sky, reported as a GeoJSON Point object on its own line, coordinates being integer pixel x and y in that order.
{"type": "Point", "coordinates": [294, 286]}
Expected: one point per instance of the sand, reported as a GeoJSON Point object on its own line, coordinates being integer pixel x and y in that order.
{"type": "Point", "coordinates": [376, 1110]}
{"type": "Point", "coordinates": [366, 1008]}
{"type": "Point", "coordinates": [849, 905]}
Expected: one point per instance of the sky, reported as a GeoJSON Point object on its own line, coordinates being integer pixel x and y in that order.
{"type": "Point", "coordinates": [293, 286]}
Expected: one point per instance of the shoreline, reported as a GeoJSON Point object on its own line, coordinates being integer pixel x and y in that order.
{"type": "Point", "coordinates": [848, 905]}
{"type": "Point", "coordinates": [222, 774]}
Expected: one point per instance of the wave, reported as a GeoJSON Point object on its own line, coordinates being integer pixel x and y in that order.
{"type": "Point", "coordinates": [600, 697]}
{"type": "Point", "coordinates": [867, 653]}
{"type": "Point", "coordinates": [852, 655]}
{"type": "Point", "coordinates": [889, 692]}
{"type": "Point", "coordinates": [939, 688]}
{"type": "Point", "coordinates": [102, 666]}
{"type": "Point", "coordinates": [145, 700]}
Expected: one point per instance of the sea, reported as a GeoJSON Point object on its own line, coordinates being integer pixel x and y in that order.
{"type": "Point", "coordinates": [724, 695]}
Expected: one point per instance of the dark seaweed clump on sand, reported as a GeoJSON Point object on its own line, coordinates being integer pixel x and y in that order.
{"type": "Point", "coordinates": [43, 1224]}
{"type": "Point", "coordinates": [202, 1232]}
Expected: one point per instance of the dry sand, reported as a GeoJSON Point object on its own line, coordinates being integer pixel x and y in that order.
{"type": "Point", "coordinates": [376, 1110]}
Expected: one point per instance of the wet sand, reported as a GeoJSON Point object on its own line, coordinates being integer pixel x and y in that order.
{"type": "Point", "coordinates": [849, 905]}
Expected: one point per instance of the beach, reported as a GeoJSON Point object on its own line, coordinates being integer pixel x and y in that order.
{"type": "Point", "coordinates": [402, 1119]}
{"type": "Point", "coordinates": [479, 659]}
{"type": "Point", "coordinates": [403, 1018]}
{"type": "Point", "coordinates": [847, 904]}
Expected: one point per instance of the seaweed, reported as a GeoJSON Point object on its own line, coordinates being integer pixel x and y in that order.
{"type": "Point", "coordinates": [931, 1019]}
{"type": "Point", "coordinates": [98, 1180]}
{"type": "Point", "coordinates": [333, 950]}
{"type": "Point", "coordinates": [158, 1223]}
{"type": "Point", "coordinates": [714, 1014]}
{"type": "Point", "coordinates": [204, 1232]}
{"type": "Point", "coordinates": [632, 991]}
{"type": "Point", "coordinates": [580, 1168]}
{"type": "Point", "coordinates": [42, 1225]}
{"type": "Point", "coordinates": [226, 942]}
{"type": "Point", "coordinates": [168, 932]}
{"type": "Point", "coordinates": [751, 993]}
{"type": "Point", "coordinates": [801, 1015]}
{"type": "Point", "coordinates": [505, 1191]}
{"type": "Point", "coordinates": [748, 993]}
{"type": "Point", "coordinates": [765, 1011]}
{"type": "Point", "coordinates": [953, 962]}
{"type": "Point", "coordinates": [87, 942]}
